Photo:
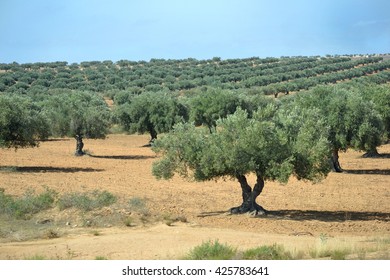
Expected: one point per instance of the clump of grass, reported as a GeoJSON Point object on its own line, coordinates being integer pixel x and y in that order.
{"type": "Point", "coordinates": [36, 258]}
{"type": "Point", "coordinates": [334, 254]}
{"type": "Point", "coordinates": [137, 204]}
{"type": "Point", "coordinates": [96, 233]}
{"type": "Point", "coordinates": [339, 254]}
{"type": "Point", "coordinates": [212, 251]}
{"type": "Point", "coordinates": [27, 205]}
{"type": "Point", "coordinates": [100, 258]}
{"type": "Point", "coordinates": [128, 221]}
{"type": "Point", "coordinates": [86, 201]}
{"type": "Point", "coordinates": [274, 252]}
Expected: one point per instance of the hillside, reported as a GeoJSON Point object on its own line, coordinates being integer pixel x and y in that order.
{"type": "Point", "coordinates": [254, 75]}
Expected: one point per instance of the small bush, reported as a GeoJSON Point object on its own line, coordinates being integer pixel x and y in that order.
{"type": "Point", "coordinates": [36, 258]}
{"type": "Point", "coordinates": [128, 221]}
{"type": "Point", "coordinates": [274, 252]}
{"type": "Point", "coordinates": [27, 205]}
{"type": "Point", "coordinates": [339, 254]}
{"type": "Point", "coordinates": [334, 254]}
{"type": "Point", "coordinates": [137, 204]}
{"type": "Point", "coordinates": [212, 251]}
{"type": "Point", "coordinates": [86, 201]}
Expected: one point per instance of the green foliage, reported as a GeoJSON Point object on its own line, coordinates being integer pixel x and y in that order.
{"type": "Point", "coordinates": [77, 113]}
{"type": "Point", "coordinates": [274, 252]}
{"type": "Point", "coordinates": [264, 76]}
{"type": "Point", "coordinates": [207, 107]}
{"type": "Point", "coordinates": [27, 205]}
{"type": "Point", "coordinates": [21, 122]}
{"type": "Point", "coordinates": [272, 144]}
{"type": "Point", "coordinates": [353, 122]}
{"type": "Point", "coordinates": [380, 96]}
{"type": "Point", "coordinates": [86, 201]}
{"type": "Point", "coordinates": [151, 112]}
{"type": "Point", "coordinates": [212, 251]}
{"type": "Point", "coordinates": [137, 204]}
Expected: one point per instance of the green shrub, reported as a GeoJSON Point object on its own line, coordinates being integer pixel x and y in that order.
{"type": "Point", "coordinates": [339, 254]}
{"type": "Point", "coordinates": [27, 205]}
{"type": "Point", "coordinates": [137, 204]}
{"type": "Point", "coordinates": [86, 201]}
{"type": "Point", "coordinates": [274, 252]}
{"type": "Point", "coordinates": [212, 251]}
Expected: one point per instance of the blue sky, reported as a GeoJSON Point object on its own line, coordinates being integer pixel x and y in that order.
{"type": "Point", "coordinates": [86, 30]}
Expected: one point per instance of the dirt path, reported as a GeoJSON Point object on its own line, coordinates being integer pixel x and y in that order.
{"type": "Point", "coordinates": [164, 242]}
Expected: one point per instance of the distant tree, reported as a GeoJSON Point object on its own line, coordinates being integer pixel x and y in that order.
{"type": "Point", "coordinates": [353, 121]}
{"type": "Point", "coordinates": [207, 107]}
{"type": "Point", "coordinates": [22, 123]}
{"type": "Point", "coordinates": [273, 145]}
{"type": "Point", "coordinates": [79, 115]}
{"type": "Point", "coordinates": [380, 96]}
{"type": "Point", "coordinates": [151, 112]}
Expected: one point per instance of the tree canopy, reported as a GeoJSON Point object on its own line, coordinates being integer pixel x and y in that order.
{"type": "Point", "coordinates": [151, 112]}
{"type": "Point", "coordinates": [22, 123]}
{"type": "Point", "coordinates": [353, 121]}
{"type": "Point", "coordinates": [79, 115]}
{"type": "Point", "coordinates": [272, 144]}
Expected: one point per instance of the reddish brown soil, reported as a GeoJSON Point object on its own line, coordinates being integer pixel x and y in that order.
{"type": "Point", "coordinates": [354, 205]}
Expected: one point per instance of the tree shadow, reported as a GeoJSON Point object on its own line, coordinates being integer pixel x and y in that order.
{"type": "Point", "coordinates": [124, 157]}
{"type": "Point", "coordinates": [214, 213]}
{"type": "Point", "coordinates": [55, 140]}
{"type": "Point", "coordinates": [376, 156]}
{"type": "Point", "coordinates": [312, 215]}
{"type": "Point", "coordinates": [48, 169]}
{"type": "Point", "coordinates": [326, 216]}
{"type": "Point", "coordinates": [368, 171]}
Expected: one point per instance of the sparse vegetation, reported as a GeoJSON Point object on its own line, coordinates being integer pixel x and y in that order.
{"type": "Point", "coordinates": [273, 252]}
{"type": "Point", "coordinates": [27, 205]}
{"type": "Point", "coordinates": [212, 250]}
{"type": "Point", "coordinates": [217, 251]}
{"type": "Point", "coordinates": [86, 201]}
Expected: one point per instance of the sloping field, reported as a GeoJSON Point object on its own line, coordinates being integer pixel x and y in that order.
{"type": "Point", "coordinates": [348, 209]}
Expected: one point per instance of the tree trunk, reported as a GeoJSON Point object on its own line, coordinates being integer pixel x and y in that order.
{"type": "Point", "coordinates": [335, 161]}
{"type": "Point", "coordinates": [249, 197]}
{"type": "Point", "coordinates": [372, 154]}
{"type": "Point", "coordinates": [79, 145]}
{"type": "Point", "coordinates": [153, 133]}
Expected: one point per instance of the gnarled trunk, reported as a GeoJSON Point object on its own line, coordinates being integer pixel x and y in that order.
{"type": "Point", "coordinates": [335, 161]}
{"type": "Point", "coordinates": [249, 196]}
{"type": "Point", "coordinates": [372, 154]}
{"type": "Point", "coordinates": [79, 145]}
{"type": "Point", "coordinates": [153, 133]}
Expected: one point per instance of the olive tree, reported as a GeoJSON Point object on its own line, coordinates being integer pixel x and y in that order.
{"type": "Point", "coordinates": [380, 96]}
{"type": "Point", "coordinates": [78, 114]}
{"type": "Point", "coordinates": [22, 123]}
{"type": "Point", "coordinates": [274, 144]}
{"type": "Point", "coordinates": [207, 107]}
{"type": "Point", "coordinates": [353, 121]}
{"type": "Point", "coordinates": [151, 112]}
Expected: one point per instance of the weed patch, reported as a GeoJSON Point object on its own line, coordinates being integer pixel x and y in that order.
{"type": "Point", "coordinates": [212, 251]}
{"type": "Point", "coordinates": [27, 205]}
{"type": "Point", "coordinates": [274, 252]}
{"type": "Point", "coordinates": [86, 201]}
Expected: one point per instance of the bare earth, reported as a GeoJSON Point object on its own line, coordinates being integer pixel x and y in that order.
{"type": "Point", "coordinates": [347, 209]}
